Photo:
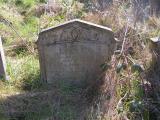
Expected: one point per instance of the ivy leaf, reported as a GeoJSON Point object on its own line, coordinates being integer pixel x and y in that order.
{"type": "Point", "coordinates": [135, 106]}
{"type": "Point", "coordinates": [120, 67]}
{"type": "Point", "coordinates": [104, 66]}
{"type": "Point", "coordinates": [137, 68]}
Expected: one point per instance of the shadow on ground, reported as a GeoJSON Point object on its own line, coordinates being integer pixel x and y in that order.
{"type": "Point", "coordinates": [53, 103]}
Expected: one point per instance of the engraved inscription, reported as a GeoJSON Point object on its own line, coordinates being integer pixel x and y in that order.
{"type": "Point", "coordinates": [77, 34]}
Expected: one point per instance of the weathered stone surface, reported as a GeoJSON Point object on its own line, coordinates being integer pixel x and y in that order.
{"type": "Point", "coordinates": [155, 51]}
{"type": "Point", "coordinates": [155, 48]}
{"type": "Point", "coordinates": [74, 51]}
{"type": "Point", "coordinates": [141, 7]}
{"type": "Point", "coordinates": [2, 62]}
{"type": "Point", "coordinates": [155, 44]}
{"type": "Point", "coordinates": [97, 4]}
{"type": "Point", "coordinates": [155, 7]}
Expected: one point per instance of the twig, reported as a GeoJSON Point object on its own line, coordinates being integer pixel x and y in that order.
{"type": "Point", "coordinates": [131, 59]}
{"type": "Point", "coordinates": [120, 102]}
{"type": "Point", "coordinates": [124, 40]}
{"type": "Point", "coordinates": [12, 27]}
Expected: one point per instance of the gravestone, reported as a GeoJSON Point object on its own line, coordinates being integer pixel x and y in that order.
{"type": "Point", "coordinates": [2, 62]}
{"type": "Point", "coordinates": [155, 7]}
{"type": "Point", "coordinates": [74, 51]}
{"type": "Point", "coordinates": [155, 49]}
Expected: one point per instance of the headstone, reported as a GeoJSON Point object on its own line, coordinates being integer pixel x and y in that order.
{"type": "Point", "coordinates": [155, 7]}
{"type": "Point", "coordinates": [74, 51]}
{"type": "Point", "coordinates": [142, 6]}
{"type": "Point", "coordinates": [103, 4]}
{"type": "Point", "coordinates": [140, 10]}
{"type": "Point", "coordinates": [155, 50]}
{"type": "Point", "coordinates": [2, 62]}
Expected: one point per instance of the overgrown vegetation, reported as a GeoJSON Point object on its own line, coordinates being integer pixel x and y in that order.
{"type": "Point", "coordinates": [124, 93]}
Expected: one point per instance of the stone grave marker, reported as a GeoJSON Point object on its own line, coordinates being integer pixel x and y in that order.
{"type": "Point", "coordinates": [155, 48]}
{"type": "Point", "coordinates": [2, 62]}
{"type": "Point", "coordinates": [74, 51]}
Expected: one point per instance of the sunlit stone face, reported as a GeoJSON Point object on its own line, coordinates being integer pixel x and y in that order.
{"type": "Point", "coordinates": [74, 51]}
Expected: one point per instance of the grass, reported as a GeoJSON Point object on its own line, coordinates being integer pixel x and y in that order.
{"type": "Point", "coordinates": [23, 71]}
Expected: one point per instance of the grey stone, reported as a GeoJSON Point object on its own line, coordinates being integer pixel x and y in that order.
{"type": "Point", "coordinates": [73, 52]}
{"type": "Point", "coordinates": [2, 62]}
{"type": "Point", "coordinates": [155, 47]}
{"type": "Point", "coordinates": [155, 40]}
{"type": "Point", "coordinates": [155, 50]}
{"type": "Point", "coordinates": [155, 7]}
